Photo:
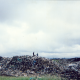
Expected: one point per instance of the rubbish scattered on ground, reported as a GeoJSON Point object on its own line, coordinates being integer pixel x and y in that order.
{"type": "Point", "coordinates": [34, 65]}
{"type": "Point", "coordinates": [25, 65]}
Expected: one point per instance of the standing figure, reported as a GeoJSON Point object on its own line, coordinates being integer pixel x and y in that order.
{"type": "Point", "coordinates": [33, 53]}
{"type": "Point", "coordinates": [37, 54]}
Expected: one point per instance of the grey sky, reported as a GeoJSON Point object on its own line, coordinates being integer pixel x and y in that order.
{"type": "Point", "coordinates": [51, 28]}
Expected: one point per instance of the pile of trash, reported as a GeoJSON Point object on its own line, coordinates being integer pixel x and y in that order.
{"type": "Point", "coordinates": [72, 70]}
{"type": "Point", "coordinates": [33, 65]}
{"type": "Point", "coordinates": [26, 65]}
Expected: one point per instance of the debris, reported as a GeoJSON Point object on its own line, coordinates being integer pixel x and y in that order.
{"type": "Point", "coordinates": [17, 65]}
{"type": "Point", "coordinates": [34, 65]}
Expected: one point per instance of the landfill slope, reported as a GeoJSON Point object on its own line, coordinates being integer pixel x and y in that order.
{"type": "Point", "coordinates": [26, 65]}
{"type": "Point", "coordinates": [71, 68]}
{"type": "Point", "coordinates": [34, 65]}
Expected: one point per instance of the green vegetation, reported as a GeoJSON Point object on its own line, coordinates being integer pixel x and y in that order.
{"type": "Point", "coordinates": [56, 60]}
{"type": "Point", "coordinates": [30, 78]}
{"type": "Point", "coordinates": [13, 78]}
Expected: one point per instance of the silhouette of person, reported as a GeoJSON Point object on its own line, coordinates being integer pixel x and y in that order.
{"type": "Point", "coordinates": [37, 54]}
{"type": "Point", "coordinates": [33, 53]}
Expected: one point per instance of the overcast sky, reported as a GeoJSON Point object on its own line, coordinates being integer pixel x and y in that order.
{"type": "Point", "coordinates": [49, 28]}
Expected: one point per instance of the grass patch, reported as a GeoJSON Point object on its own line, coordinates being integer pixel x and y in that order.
{"type": "Point", "coordinates": [47, 77]}
{"type": "Point", "coordinates": [13, 78]}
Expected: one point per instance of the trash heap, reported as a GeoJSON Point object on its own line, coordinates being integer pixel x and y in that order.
{"type": "Point", "coordinates": [72, 71]}
{"type": "Point", "coordinates": [26, 65]}
{"type": "Point", "coordinates": [34, 65]}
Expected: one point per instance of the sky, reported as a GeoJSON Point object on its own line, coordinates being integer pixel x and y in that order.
{"type": "Point", "coordinates": [49, 28]}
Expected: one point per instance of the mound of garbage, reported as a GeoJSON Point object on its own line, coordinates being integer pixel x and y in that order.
{"type": "Point", "coordinates": [25, 65]}
{"type": "Point", "coordinates": [33, 65]}
{"type": "Point", "coordinates": [72, 70]}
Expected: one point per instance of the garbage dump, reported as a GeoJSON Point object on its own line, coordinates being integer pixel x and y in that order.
{"type": "Point", "coordinates": [34, 65]}
{"type": "Point", "coordinates": [25, 65]}
{"type": "Point", "coordinates": [70, 68]}
{"type": "Point", "coordinates": [72, 71]}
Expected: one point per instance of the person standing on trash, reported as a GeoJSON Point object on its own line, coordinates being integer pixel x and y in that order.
{"type": "Point", "coordinates": [37, 54]}
{"type": "Point", "coordinates": [33, 53]}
